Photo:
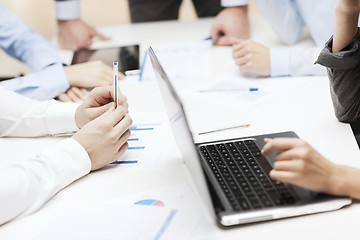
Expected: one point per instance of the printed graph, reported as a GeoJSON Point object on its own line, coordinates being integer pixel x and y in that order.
{"type": "Point", "coordinates": [150, 202]}
{"type": "Point", "coordinates": [138, 142]}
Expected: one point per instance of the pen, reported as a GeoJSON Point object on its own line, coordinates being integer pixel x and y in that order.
{"type": "Point", "coordinates": [115, 72]}
{"type": "Point", "coordinates": [222, 129]}
{"type": "Point", "coordinates": [229, 90]}
{"type": "Point", "coordinates": [214, 37]}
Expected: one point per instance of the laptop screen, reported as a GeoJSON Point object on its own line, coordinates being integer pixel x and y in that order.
{"type": "Point", "coordinates": [181, 129]}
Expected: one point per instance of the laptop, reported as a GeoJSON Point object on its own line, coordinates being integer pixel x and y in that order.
{"type": "Point", "coordinates": [232, 176]}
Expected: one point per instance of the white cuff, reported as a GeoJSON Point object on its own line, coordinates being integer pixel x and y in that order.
{"type": "Point", "coordinates": [234, 3]}
{"type": "Point", "coordinates": [61, 117]}
{"type": "Point", "coordinates": [279, 62]}
{"type": "Point", "coordinates": [67, 10]}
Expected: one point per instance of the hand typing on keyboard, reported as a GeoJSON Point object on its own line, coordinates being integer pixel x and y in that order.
{"type": "Point", "coordinates": [242, 173]}
{"type": "Point", "coordinates": [300, 164]}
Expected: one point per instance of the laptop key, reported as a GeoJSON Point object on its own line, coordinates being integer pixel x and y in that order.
{"type": "Point", "coordinates": [256, 154]}
{"type": "Point", "coordinates": [252, 146]}
{"type": "Point", "coordinates": [230, 145]}
{"type": "Point", "coordinates": [244, 204]}
{"type": "Point", "coordinates": [264, 164]}
{"type": "Point", "coordinates": [275, 197]}
{"type": "Point", "coordinates": [244, 151]}
{"type": "Point", "coordinates": [240, 145]}
{"type": "Point", "coordinates": [265, 200]}
{"type": "Point", "coordinates": [249, 142]}
{"type": "Point", "coordinates": [256, 204]}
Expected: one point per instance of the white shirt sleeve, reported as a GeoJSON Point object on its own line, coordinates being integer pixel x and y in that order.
{"type": "Point", "coordinates": [23, 117]}
{"type": "Point", "coordinates": [234, 3]}
{"type": "Point", "coordinates": [295, 61]}
{"type": "Point", "coordinates": [26, 186]}
{"type": "Point", "coordinates": [67, 10]}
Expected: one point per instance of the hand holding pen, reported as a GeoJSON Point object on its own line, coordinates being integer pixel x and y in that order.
{"type": "Point", "coordinates": [231, 22]}
{"type": "Point", "coordinates": [215, 37]}
{"type": "Point", "coordinates": [99, 100]}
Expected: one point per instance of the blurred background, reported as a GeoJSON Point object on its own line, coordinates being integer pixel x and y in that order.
{"type": "Point", "coordinates": [39, 15]}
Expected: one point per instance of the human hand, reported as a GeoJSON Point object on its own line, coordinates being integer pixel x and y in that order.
{"type": "Point", "coordinates": [105, 138]}
{"type": "Point", "coordinates": [98, 101]}
{"type": "Point", "coordinates": [230, 22]}
{"type": "Point", "coordinates": [73, 94]}
{"type": "Point", "coordinates": [90, 74]}
{"type": "Point", "coordinates": [76, 34]}
{"type": "Point", "coordinates": [300, 164]}
{"type": "Point", "coordinates": [251, 57]}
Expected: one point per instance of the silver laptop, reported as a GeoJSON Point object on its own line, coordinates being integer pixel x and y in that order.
{"type": "Point", "coordinates": [232, 176]}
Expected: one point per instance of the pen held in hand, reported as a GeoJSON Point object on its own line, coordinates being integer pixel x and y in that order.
{"type": "Point", "coordinates": [229, 90]}
{"type": "Point", "coordinates": [214, 37]}
{"type": "Point", "coordinates": [116, 77]}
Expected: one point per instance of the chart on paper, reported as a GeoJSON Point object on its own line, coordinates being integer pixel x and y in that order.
{"type": "Point", "coordinates": [147, 144]}
{"type": "Point", "coordinates": [185, 217]}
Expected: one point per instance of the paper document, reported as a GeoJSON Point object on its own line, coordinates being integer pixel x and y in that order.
{"type": "Point", "coordinates": [180, 60]}
{"type": "Point", "coordinates": [234, 90]}
{"type": "Point", "coordinates": [231, 96]}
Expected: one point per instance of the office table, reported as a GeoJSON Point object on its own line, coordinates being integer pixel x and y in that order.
{"type": "Point", "coordinates": [307, 110]}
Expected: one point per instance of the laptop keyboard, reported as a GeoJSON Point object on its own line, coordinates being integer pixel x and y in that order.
{"type": "Point", "coordinates": [243, 175]}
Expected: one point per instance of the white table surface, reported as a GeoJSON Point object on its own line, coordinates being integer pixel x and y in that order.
{"type": "Point", "coordinates": [307, 110]}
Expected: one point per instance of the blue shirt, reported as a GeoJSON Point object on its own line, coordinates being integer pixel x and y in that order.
{"type": "Point", "coordinates": [48, 79]}
{"type": "Point", "coordinates": [289, 18]}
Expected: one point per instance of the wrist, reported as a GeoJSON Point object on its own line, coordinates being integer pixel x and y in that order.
{"type": "Point", "coordinates": [69, 73]}
{"type": "Point", "coordinates": [66, 22]}
{"type": "Point", "coordinates": [239, 9]}
{"type": "Point", "coordinates": [336, 182]}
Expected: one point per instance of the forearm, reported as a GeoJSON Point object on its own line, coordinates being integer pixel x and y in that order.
{"type": "Point", "coordinates": [42, 85]}
{"type": "Point", "coordinates": [295, 61]}
{"type": "Point", "coordinates": [345, 27]}
{"type": "Point", "coordinates": [346, 181]}
{"type": "Point", "coordinates": [284, 19]}
{"type": "Point", "coordinates": [26, 186]}
{"type": "Point", "coordinates": [32, 118]}
{"type": "Point", "coordinates": [24, 44]}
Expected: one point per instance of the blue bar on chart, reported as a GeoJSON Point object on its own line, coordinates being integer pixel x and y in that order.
{"type": "Point", "coordinates": [136, 148]}
{"type": "Point", "coordinates": [132, 139]}
{"type": "Point", "coordinates": [125, 162]}
{"type": "Point", "coordinates": [136, 128]}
